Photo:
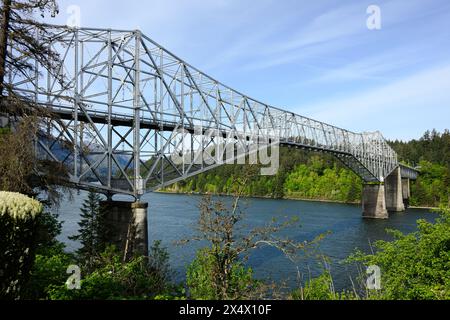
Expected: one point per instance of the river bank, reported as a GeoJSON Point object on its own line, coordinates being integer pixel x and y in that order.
{"type": "Point", "coordinates": [284, 198]}
{"type": "Point", "coordinates": [174, 217]}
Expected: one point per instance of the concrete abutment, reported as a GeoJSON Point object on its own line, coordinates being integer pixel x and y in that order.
{"type": "Point", "coordinates": [127, 223]}
{"type": "Point", "coordinates": [406, 191]}
{"type": "Point", "coordinates": [394, 192]}
{"type": "Point", "coordinates": [374, 202]}
{"type": "Point", "coordinates": [393, 195]}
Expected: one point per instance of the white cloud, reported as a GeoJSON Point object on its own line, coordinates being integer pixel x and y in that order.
{"type": "Point", "coordinates": [422, 99]}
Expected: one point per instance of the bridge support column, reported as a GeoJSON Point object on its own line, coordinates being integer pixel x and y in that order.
{"type": "Point", "coordinates": [373, 202]}
{"type": "Point", "coordinates": [127, 224]}
{"type": "Point", "coordinates": [406, 191]}
{"type": "Point", "coordinates": [394, 193]}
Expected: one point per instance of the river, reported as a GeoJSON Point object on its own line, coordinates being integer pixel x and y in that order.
{"type": "Point", "coordinates": [173, 217]}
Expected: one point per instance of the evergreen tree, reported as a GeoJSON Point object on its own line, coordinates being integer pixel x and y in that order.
{"type": "Point", "coordinates": [93, 229]}
{"type": "Point", "coordinates": [20, 52]}
{"type": "Point", "coordinates": [18, 40]}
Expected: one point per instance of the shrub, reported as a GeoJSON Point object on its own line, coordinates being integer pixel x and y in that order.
{"type": "Point", "coordinates": [140, 278]}
{"type": "Point", "coordinates": [321, 288]}
{"type": "Point", "coordinates": [416, 265]}
{"type": "Point", "coordinates": [204, 281]}
{"type": "Point", "coordinates": [17, 241]}
{"type": "Point", "coordinates": [49, 270]}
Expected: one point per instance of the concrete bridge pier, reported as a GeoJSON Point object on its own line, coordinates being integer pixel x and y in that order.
{"type": "Point", "coordinates": [394, 192]}
{"type": "Point", "coordinates": [374, 202]}
{"type": "Point", "coordinates": [127, 226]}
{"type": "Point", "coordinates": [406, 191]}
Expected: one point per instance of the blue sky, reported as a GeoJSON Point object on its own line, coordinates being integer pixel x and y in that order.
{"type": "Point", "coordinates": [316, 58]}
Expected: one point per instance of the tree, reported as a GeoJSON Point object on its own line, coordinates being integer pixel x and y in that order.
{"type": "Point", "coordinates": [21, 171]}
{"type": "Point", "coordinates": [140, 278]}
{"type": "Point", "coordinates": [18, 41]}
{"type": "Point", "coordinates": [202, 284]}
{"type": "Point", "coordinates": [93, 230]}
{"type": "Point", "coordinates": [51, 261]}
{"type": "Point", "coordinates": [416, 265]}
{"type": "Point", "coordinates": [219, 272]}
{"type": "Point", "coordinates": [49, 270]}
{"type": "Point", "coordinates": [17, 241]}
{"type": "Point", "coordinates": [20, 51]}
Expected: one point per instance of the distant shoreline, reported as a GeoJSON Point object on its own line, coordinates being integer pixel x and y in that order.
{"type": "Point", "coordinates": [284, 198]}
{"type": "Point", "coordinates": [423, 208]}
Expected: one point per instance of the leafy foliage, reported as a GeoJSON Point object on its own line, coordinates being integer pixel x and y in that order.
{"type": "Point", "coordinates": [321, 288]}
{"type": "Point", "coordinates": [93, 232]}
{"type": "Point", "coordinates": [432, 187]}
{"type": "Point", "coordinates": [416, 265]}
{"type": "Point", "coordinates": [51, 261]}
{"type": "Point", "coordinates": [201, 278]}
{"type": "Point", "coordinates": [17, 244]}
{"type": "Point", "coordinates": [432, 153]}
{"type": "Point", "coordinates": [315, 180]}
{"type": "Point", "coordinates": [301, 175]}
{"type": "Point", "coordinates": [49, 227]}
{"type": "Point", "coordinates": [432, 147]}
{"type": "Point", "coordinates": [49, 270]}
{"type": "Point", "coordinates": [140, 278]}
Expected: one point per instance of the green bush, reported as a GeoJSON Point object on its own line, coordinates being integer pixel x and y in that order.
{"type": "Point", "coordinates": [321, 288]}
{"type": "Point", "coordinates": [17, 241]}
{"type": "Point", "coordinates": [416, 265]}
{"type": "Point", "coordinates": [204, 283]}
{"type": "Point", "coordinates": [432, 187]}
{"type": "Point", "coordinates": [49, 270]}
{"type": "Point", "coordinates": [112, 279]}
{"type": "Point", "coordinates": [93, 233]}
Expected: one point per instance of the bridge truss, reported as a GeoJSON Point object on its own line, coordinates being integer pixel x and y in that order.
{"type": "Point", "coordinates": [120, 97]}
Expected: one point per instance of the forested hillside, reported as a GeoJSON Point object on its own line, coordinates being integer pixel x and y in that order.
{"type": "Point", "coordinates": [432, 154]}
{"type": "Point", "coordinates": [433, 147]}
{"type": "Point", "coordinates": [302, 175]}
{"type": "Point", "coordinates": [315, 176]}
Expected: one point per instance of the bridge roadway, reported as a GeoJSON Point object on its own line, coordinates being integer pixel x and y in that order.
{"type": "Point", "coordinates": [127, 120]}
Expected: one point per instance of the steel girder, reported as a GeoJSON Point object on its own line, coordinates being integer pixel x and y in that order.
{"type": "Point", "coordinates": [121, 97]}
{"type": "Point", "coordinates": [408, 172]}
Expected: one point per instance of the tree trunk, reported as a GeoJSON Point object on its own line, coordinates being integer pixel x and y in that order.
{"type": "Point", "coordinates": [4, 29]}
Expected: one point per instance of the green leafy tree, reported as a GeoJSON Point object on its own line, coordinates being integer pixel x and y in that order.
{"type": "Point", "coordinates": [17, 242]}
{"type": "Point", "coordinates": [416, 265]}
{"type": "Point", "coordinates": [140, 278]}
{"type": "Point", "coordinates": [49, 270]}
{"type": "Point", "coordinates": [20, 51]}
{"type": "Point", "coordinates": [51, 261]}
{"type": "Point", "coordinates": [219, 272]}
{"type": "Point", "coordinates": [18, 40]}
{"type": "Point", "coordinates": [202, 272]}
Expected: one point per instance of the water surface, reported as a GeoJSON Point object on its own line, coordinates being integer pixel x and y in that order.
{"type": "Point", "coordinates": [173, 217]}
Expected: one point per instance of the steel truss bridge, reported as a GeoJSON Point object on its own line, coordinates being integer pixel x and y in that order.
{"type": "Point", "coordinates": [120, 97]}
